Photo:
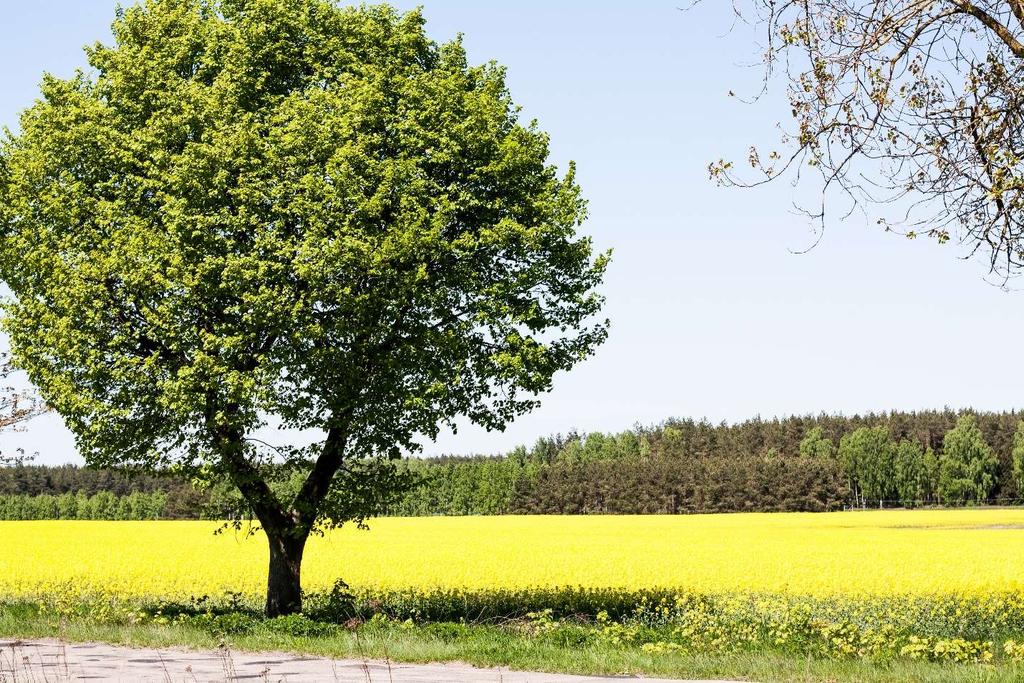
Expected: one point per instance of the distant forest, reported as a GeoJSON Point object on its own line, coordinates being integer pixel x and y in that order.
{"type": "Point", "coordinates": [809, 463]}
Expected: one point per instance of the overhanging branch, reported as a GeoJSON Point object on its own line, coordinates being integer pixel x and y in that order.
{"type": "Point", "coordinates": [997, 27]}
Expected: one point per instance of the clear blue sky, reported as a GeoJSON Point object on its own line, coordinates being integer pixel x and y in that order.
{"type": "Point", "coordinates": [711, 313]}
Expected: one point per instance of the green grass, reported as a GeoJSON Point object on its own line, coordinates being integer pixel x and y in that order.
{"type": "Point", "coordinates": [492, 645]}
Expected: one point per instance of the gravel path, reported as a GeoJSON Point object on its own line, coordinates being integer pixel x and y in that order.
{"type": "Point", "coordinates": [49, 661]}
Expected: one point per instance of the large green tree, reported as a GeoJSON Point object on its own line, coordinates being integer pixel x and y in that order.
{"type": "Point", "coordinates": [910, 473]}
{"type": "Point", "coordinates": [866, 455]}
{"type": "Point", "coordinates": [1017, 460]}
{"type": "Point", "coordinates": [968, 469]}
{"type": "Point", "coordinates": [285, 213]}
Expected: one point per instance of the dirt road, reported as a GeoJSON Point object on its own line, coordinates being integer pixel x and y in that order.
{"type": "Point", "coordinates": [52, 661]}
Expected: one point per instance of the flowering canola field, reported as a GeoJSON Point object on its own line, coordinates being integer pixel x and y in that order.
{"type": "Point", "coordinates": [964, 552]}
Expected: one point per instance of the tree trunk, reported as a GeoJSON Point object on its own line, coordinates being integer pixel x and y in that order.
{"type": "Point", "coordinates": [284, 588]}
{"type": "Point", "coordinates": [286, 529]}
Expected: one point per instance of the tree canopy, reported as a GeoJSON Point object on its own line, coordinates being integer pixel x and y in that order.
{"type": "Point", "coordinates": [967, 472]}
{"type": "Point", "coordinates": [816, 445]}
{"type": "Point", "coordinates": [1017, 457]}
{"type": "Point", "coordinates": [867, 456]}
{"type": "Point", "coordinates": [254, 213]}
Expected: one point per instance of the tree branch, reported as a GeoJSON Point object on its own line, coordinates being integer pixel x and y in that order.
{"type": "Point", "coordinates": [996, 26]}
{"type": "Point", "coordinates": [229, 442]}
{"type": "Point", "coordinates": [1017, 7]}
{"type": "Point", "coordinates": [306, 506]}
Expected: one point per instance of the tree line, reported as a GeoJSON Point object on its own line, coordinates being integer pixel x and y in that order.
{"type": "Point", "coordinates": [103, 505]}
{"type": "Point", "coordinates": [809, 463]}
{"type": "Point", "coordinates": [803, 463]}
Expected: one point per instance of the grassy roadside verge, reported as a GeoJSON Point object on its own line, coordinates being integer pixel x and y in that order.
{"type": "Point", "coordinates": [489, 645]}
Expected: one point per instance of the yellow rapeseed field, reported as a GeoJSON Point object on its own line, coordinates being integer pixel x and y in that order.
{"type": "Point", "coordinates": [851, 553]}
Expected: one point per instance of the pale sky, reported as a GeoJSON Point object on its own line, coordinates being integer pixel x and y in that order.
{"type": "Point", "coordinates": [712, 314]}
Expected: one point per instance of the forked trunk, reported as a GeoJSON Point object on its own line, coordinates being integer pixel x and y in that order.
{"type": "Point", "coordinates": [284, 587]}
{"type": "Point", "coordinates": [286, 529]}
